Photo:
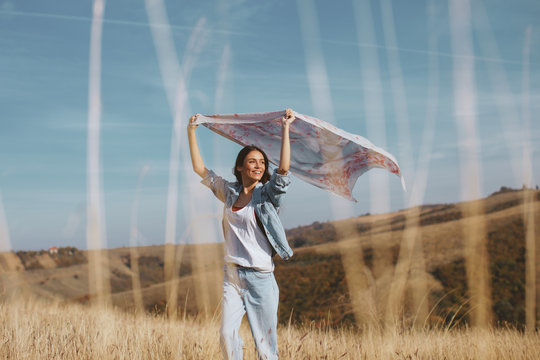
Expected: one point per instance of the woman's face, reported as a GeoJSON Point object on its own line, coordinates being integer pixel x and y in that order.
{"type": "Point", "coordinates": [253, 168]}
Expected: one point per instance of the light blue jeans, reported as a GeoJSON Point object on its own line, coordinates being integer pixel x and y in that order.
{"type": "Point", "coordinates": [255, 293]}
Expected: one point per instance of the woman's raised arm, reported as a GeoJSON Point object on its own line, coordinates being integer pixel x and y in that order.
{"type": "Point", "coordinates": [285, 157]}
{"type": "Point", "coordinates": [196, 159]}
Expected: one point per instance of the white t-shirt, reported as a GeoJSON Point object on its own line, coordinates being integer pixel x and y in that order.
{"type": "Point", "coordinates": [245, 243]}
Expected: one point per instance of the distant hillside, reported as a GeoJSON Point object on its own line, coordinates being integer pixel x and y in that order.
{"type": "Point", "coordinates": [314, 285]}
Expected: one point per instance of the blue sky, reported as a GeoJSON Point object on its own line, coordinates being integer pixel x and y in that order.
{"type": "Point", "coordinates": [252, 56]}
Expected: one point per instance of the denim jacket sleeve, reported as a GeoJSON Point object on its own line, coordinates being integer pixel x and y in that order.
{"type": "Point", "coordinates": [217, 184]}
{"type": "Point", "coordinates": [276, 188]}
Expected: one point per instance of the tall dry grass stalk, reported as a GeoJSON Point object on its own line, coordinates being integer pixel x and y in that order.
{"type": "Point", "coordinates": [474, 227]}
{"type": "Point", "coordinates": [373, 102]}
{"type": "Point", "coordinates": [175, 78]}
{"type": "Point", "coordinates": [531, 300]}
{"type": "Point", "coordinates": [171, 277]}
{"type": "Point", "coordinates": [359, 279]}
{"type": "Point", "coordinates": [133, 242]}
{"type": "Point", "coordinates": [33, 329]}
{"type": "Point", "coordinates": [172, 76]}
{"type": "Point", "coordinates": [411, 246]}
{"type": "Point", "coordinates": [530, 262]}
{"type": "Point", "coordinates": [95, 223]}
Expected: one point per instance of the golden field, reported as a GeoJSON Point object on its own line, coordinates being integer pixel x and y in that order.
{"type": "Point", "coordinates": [36, 329]}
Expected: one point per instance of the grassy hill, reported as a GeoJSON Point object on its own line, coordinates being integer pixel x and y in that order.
{"type": "Point", "coordinates": [316, 284]}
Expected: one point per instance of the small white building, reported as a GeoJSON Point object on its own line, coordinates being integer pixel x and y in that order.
{"type": "Point", "coordinates": [53, 250]}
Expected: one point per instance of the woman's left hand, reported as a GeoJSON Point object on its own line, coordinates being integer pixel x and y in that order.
{"type": "Point", "coordinates": [288, 118]}
{"type": "Point", "coordinates": [285, 157]}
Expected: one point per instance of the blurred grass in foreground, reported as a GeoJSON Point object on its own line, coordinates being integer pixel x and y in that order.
{"type": "Point", "coordinates": [34, 329]}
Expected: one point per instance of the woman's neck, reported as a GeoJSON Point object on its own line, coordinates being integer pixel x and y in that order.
{"type": "Point", "coordinates": [248, 187]}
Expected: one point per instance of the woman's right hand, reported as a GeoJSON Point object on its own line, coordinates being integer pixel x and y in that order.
{"type": "Point", "coordinates": [192, 124]}
{"type": "Point", "coordinates": [288, 117]}
{"type": "Point", "coordinates": [196, 159]}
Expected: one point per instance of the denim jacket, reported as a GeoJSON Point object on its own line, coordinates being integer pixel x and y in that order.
{"type": "Point", "coordinates": [266, 199]}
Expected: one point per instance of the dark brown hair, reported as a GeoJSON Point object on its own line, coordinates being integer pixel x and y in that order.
{"type": "Point", "coordinates": [240, 162]}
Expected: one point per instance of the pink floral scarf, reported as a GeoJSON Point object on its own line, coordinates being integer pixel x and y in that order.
{"type": "Point", "coordinates": [321, 154]}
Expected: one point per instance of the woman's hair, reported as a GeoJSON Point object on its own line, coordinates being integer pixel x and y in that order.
{"type": "Point", "coordinates": [240, 162]}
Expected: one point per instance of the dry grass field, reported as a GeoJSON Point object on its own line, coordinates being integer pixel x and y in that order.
{"type": "Point", "coordinates": [36, 329]}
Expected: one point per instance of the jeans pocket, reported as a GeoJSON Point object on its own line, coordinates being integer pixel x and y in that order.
{"type": "Point", "coordinates": [262, 275]}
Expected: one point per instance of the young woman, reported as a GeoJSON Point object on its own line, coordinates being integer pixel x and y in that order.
{"type": "Point", "coordinates": [253, 234]}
